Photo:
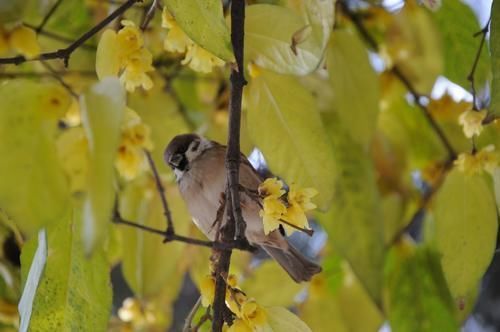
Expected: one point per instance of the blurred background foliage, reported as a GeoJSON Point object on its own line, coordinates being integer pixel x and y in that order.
{"type": "Point", "coordinates": [369, 102]}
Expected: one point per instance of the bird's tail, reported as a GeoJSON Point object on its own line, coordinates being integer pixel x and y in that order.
{"type": "Point", "coordinates": [299, 267]}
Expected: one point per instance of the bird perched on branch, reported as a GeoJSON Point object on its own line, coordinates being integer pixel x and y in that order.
{"type": "Point", "coordinates": [199, 168]}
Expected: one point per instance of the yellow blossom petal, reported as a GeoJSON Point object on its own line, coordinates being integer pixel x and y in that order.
{"type": "Point", "coordinates": [24, 40]}
{"type": "Point", "coordinates": [130, 161]}
{"type": "Point", "coordinates": [200, 60]}
{"type": "Point", "coordinates": [254, 315]}
{"type": "Point", "coordinates": [484, 160]}
{"type": "Point", "coordinates": [176, 40]}
{"type": "Point", "coordinates": [271, 187]}
{"type": "Point", "coordinates": [207, 290]}
{"type": "Point", "coordinates": [295, 215]}
{"type": "Point", "coordinates": [108, 56]}
{"type": "Point", "coordinates": [302, 197]}
{"type": "Point", "coordinates": [239, 325]}
{"type": "Point", "coordinates": [235, 301]}
{"type": "Point", "coordinates": [129, 39]}
{"type": "Point", "coordinates": [273, 210]}
{"type": "Point", "coordinates": [472, 122]}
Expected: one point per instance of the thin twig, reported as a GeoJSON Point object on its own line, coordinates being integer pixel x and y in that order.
{"type": "Point", "coordinates": [470, 77]}
{"type": "Point", "coordinates": [161, 191]}
{"type": "Point", "coordinates": [60, 79]}
{"type": "Point", "coordinates": [47, 16]}
{"type": "Point", "coordinates": [150, 14]}
{"type": "Point", "coordinates": [45, 73]}
{"type": "Point", "coordinates": [117, 219]}
{"type": "Point", "coordinates": [60, 38]}
{"type": "Point", "coordinates": [65, 53]}
{"type": "Point", "coordinates": [399, 74]}
{"type": "Point", "coordinates": [189, 319]}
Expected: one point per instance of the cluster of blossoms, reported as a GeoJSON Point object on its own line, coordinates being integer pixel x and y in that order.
{"type": "Point", "coordinates": [21, 39]}
{"type": "Point", "coordinates": [135, 138]}
{"type": "Point", "coordinates": [250, 316]}
{"type": "Point", "coordinates": [140, 317]}
{"type": "Point", "coordinates": [286, 210]}
{"type": "Point", "coordinates": [123, 53]}
{"type": "Point", "coordinates": [197, 58]}
{"type": "Point", "coordinates": [486, 160]}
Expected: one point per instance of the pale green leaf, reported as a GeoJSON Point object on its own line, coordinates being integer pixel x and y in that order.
{"type": "Point", "coordinates": [417, 297]}
{"type": "Point", "coordinates": [32, 281]}
{"type": "Point", "coordinates": [269, 31]}
{"type": "Point", "coordinates": [284, 123]}
{"type": "Point", "coordinates": [340, 307]}
{"type": "Point", "coordinates": [465, 230]}
{"type": "Point", "coordinates": [351, 74]}
{"type": "Point", "coordinates": [355, 222]}
{"type": "Point", "coordinates": [102, 111]}
{"type": "Point", "coordinates": [74, 292]}
{"type": "Point", "coordinates": [33, 188]}
{"type": "Point", "coordinates": [495, 58]}
{"type": "Point", "coordinates": [273, 274]}
{"type": "Point", "coordinates": [459, 44]}
{"type": "Point", "coordinates": [203, 21]}
{"type": "Point", "coordinates": [282, 320]}
{"type": "Point", "coordinates": [107, 61]}
{"type": "Point", "coordinates": [142, 251]}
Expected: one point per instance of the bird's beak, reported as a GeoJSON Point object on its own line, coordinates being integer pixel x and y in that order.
{"type": "Point", "coordinates": [175, 160]}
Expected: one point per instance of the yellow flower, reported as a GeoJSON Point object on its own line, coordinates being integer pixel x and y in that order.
{"type": "Point", "coordinates": [239, 325]}
{"type": "Point", "coordinates": [129, 39]}
{"type": "Point", "coordinates": [207, 290]}
{"type": "Point", "coordinates": [302, 197]}
{"type": "Point", "coordinates": [135, 137]}
{"type": "Point", "coordinates": [24, 40]}
{"type": "Point", "coordinates": [200, 60]}
{"type": "Point", "coordinates": [472, 122]}
{"type": "Point", "coordinates": [196, 57]}
{"type": "Point", "coordinates": [273, 210]}
{"type": "Point", "coordinates": [299, 201]}
{"type": "Point", "coordinates": [484, 160]}
{"type": "Point", "coordinates": [235, 300]}
{"type": "Point", "coordinates": [124, 53]}
{"type": "Point", "coordinates": [254, 315]}
{"type": "Point", "coordinates": [271, 187]}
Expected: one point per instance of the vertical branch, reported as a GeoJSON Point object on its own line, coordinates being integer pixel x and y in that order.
{"type": "Point", "coordinates": [235, 224]}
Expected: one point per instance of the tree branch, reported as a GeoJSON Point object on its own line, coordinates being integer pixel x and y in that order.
{"type": "Point", "coordinates": [470, 77]}
{"type": "Point", "coordinates": [47, 16]}
{"type": "Point", "coordinates": [399, 74]}
{"type": "Point", "coordinates": [155, 4]}
{"type": "Point", "coordinates": [235, 224]}
{"type": "Point", "coordinates": [161, 191]}
{"type": "Point", "coordinates": [65, 53]}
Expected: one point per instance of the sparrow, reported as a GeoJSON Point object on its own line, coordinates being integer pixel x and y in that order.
{"type": "Point", "coordinates": [198, 164]}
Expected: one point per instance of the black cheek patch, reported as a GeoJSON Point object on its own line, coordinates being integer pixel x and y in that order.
{"type": "Point", "coordinates": [183, 164]}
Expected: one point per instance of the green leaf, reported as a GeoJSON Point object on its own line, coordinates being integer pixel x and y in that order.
{"type": "Point", "coordinates": [495, 58]}
{"type": "Point", "coordinates": [273, 274]}
{"type": "Point", "coordinates": [74, 292]}
{"type": "Point", "coordinates": [351, 74]}
{"type": "Point", "coordinates": [355, 221]}
{"type": "Point", "coordinates": [459, 44]}
{"type": "Point", "coordinates": [33, 188]}
{"type": "Point", "coordinates": [269, 31]}
{"type": "Point", "coordinates": [465, 231]}
{"type": "Point", "coordinates": [282, 320]}
{"type": "Point", "coordinates": [203, 21]}
{"type": "Point", "coordinates": [142, 251]}
{"type": "Point", "coordinates": [32, 281]}
{"type": "Point", "coordinates": [284, 123]}
{"type": "Point", "coordinates": [102, 111]}
{"type": "Point", "coordinates": [418, 298]}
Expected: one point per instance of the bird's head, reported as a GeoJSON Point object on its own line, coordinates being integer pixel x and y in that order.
{"type": "Point", "coordinates": [183, 149]}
